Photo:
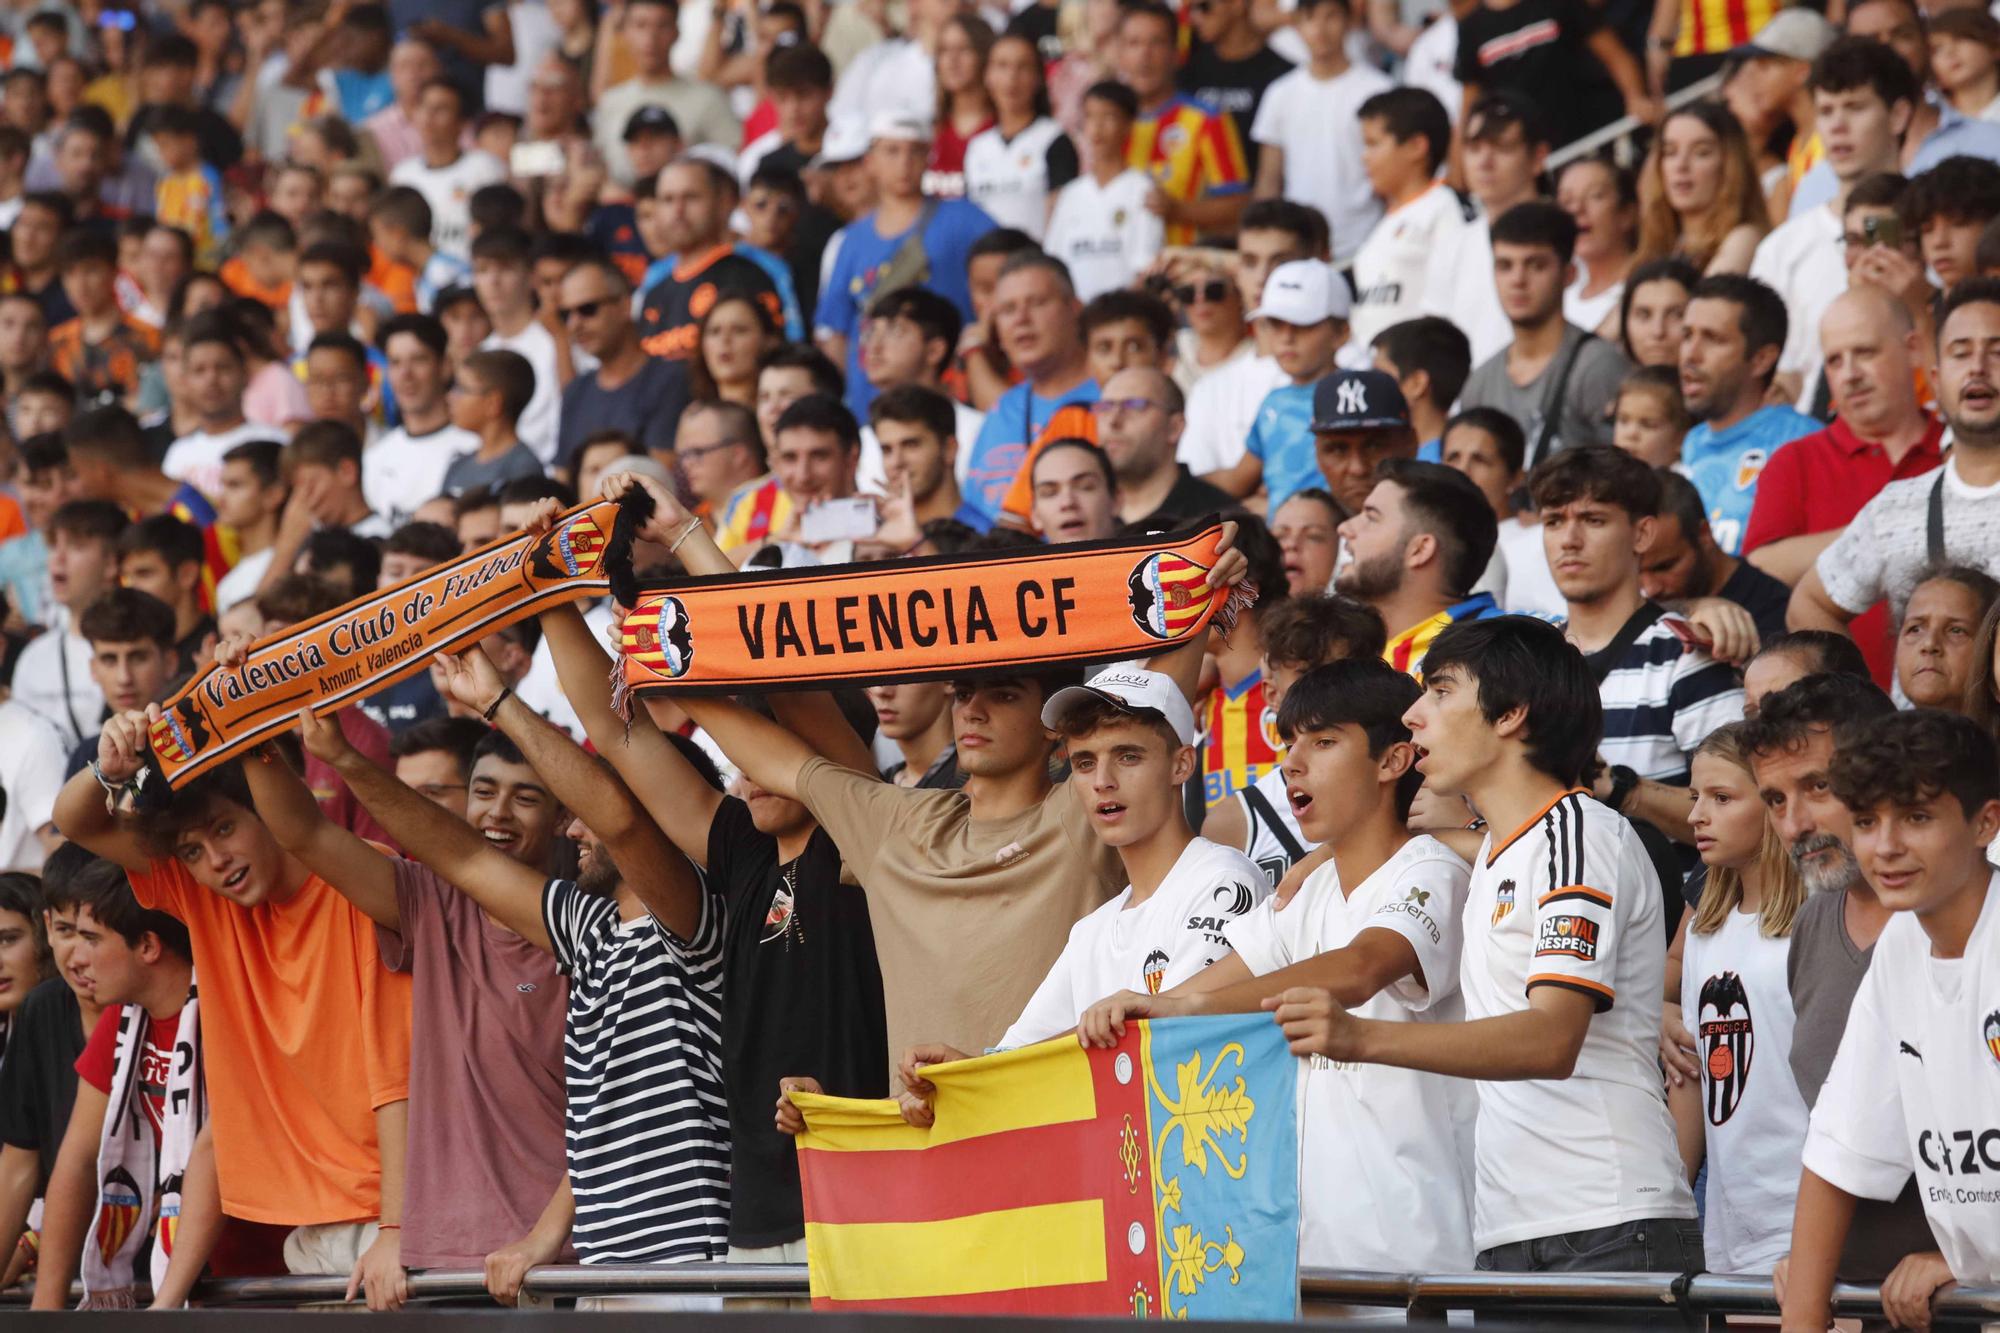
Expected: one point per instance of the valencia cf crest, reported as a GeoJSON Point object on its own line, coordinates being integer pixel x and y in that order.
{"type": "Point", "coordinates": [675, 637]}
{"type": "Point", "coordinates": [1168, 594]}
{"type": "Point", "coordinates": [118, 1210]}
{"type": "Point", "coordinates": [572, 550]}
{"type": "Point", "coordinates": [1503, 901]}
{"type": "Point", "coordinates": [1992, 1035]}
{"type": "Point", "coordinates": [1749, 467]}
{"type": "Point", "coordinates": [1727, 1042]}
{"type": "Point", "coordinates": [1155, 969]}
{"type": "Point", "coordinates": [181, 728]}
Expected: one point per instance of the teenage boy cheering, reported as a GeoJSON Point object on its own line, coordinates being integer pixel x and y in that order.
{"type": "Point", "coordinates": [1917, 1077]}
{"type": "Point", "coordinates": [1562, 972]}
{"type": "Point", "coordinates": [1380, 926]}
{"type": "Point", "coordinates": [307, 1035]}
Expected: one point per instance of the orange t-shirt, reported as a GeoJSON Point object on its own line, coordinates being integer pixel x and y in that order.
{"type": "Point", "coordinates": [396, 281]}
{"type": "Point", "coordinates": [235, 275]}
{"type": "Point", "coordinates": [1076, 421]}
{"type": "Point", "coordinates": [304, 1034]}
{"type": "Point", "coordinates": [13, 523]}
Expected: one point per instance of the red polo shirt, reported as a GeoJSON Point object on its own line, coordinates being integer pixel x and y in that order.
{"type": "Point", "coordinates": [1820, 482]}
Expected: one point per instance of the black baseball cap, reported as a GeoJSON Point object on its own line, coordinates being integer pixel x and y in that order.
{"type": "Point", "coordinates": [1359, 400]}
{"type": "Point", "coordinates": [651, 120]}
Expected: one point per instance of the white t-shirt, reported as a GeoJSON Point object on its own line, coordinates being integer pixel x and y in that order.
{"type": "Point", "coordinates": [1222, 409]}
{"type": "Point", "coordinates": [1916, 1088]}
{"type": "Point", "coordinates": [1737, 1002]}
{"type": "Point", "coordinates": [448, 190]}
{"type": "Point", "coordinates": [52, 678]}
{"type": "Point", "coordinates": [872, 478]}
{"type": "Point", "coordinates": [242, 579]}
{"type": "Point", "coordinates": [1884, 551]}
{"type": "Point", "coordinates": [197, 458]}
{"type": "Point", "coordinates": [895, 74]}
{"type": "Point", "coordinates": [1803, 261]}
{"type": "Point", "coordinates": [1393, 264]}
{"type": "Point", "coordinates": [1103, 232]}
{"type": "Point", "coordinates": [1385, 1154]}
{"type": "Point", "coordinates": [32, 767]}
{"type": "Point", "coordinates": [1460, 287]}
{"type": "Point", "coordinates": [1588, 312]}
{"type": "Point", "coordinates": [1149, 948]}
{"type": "Point", "coordinates": [401, 471]}
{"type": "Point", "coordinates": [1526, 583]}
{"type": "Point", "coordinates": [1430, 60]}
{"type": "Point", "coordinates": [537, 427]}
{"type": "Point", "coordinates": [1312, 121]}
{"type": "Point", "coordinates": [1571, 899]}
{"type": "Point", "coordinates": [1266, 848]}
{"type": "Point", "coordinates": [1009, 178]}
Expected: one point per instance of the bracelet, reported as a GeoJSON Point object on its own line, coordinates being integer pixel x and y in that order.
{"type": "Point", "coordinates": [506, 692]}
{"type": "Point", "coordinates": [388, 1226]}
{"type": "Point", "coordinates": [686, 533]}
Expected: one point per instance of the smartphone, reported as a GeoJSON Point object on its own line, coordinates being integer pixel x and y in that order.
{"type": "Point", "coordinates": [542, 158]}
{"type": "Point", "coordinates": [850, 519]}
{"type": "Point", "coordinates": [1886, 229]}
{"type": "Point", "coordinates": [124, 20]}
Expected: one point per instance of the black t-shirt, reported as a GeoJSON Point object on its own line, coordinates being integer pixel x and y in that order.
{"type": "Point", "coordinates": [647, 407]}
{"type": "Point", "coordinates": [38, 1074]}
{"type": "Point", "coordinates": [816, 230]}
{"type": "Point", "coordinates": [671, 318]}
{"type": "Point", "coordinates": [1190, 499]}
{"type": "Point", "coordinates": [1536, 49]}
{"type": "Point", "coordinates": [1235, 86]}
{"type": "Point", "coordinates": [1764, 597]}
{"type": "Point", "coordinates": [802, 995]}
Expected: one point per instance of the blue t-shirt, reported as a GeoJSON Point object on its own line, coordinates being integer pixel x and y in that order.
{"type": "Point", "coordinates": [1724, 465]}
{"type": "Point", "coordinates": [1013, 424]}
{"type": "Point", "coordinates": [851, 288]}
{"type": "Point", "coordinates": [361, 95]}
{"type": "Point", "coordinates": [1282, 439]}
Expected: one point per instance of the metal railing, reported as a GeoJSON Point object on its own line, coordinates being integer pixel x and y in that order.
{"type": "Point", "coordinates": [1424, 1296]}
{"type": "Point", "coordinates": [1620, 132]}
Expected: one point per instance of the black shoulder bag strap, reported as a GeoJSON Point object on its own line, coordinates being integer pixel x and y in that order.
{"type": "Point", "coordinates": [1552, 401]}
{"type": "Point", "coordinates": [1934, 521]}
{"type": "Point", "coordinates": [1605, 660]}
{"type": "Point", "coordinates": [1260, 806]}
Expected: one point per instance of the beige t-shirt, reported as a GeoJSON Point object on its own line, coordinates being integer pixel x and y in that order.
{"type": "Point", "coordinates": [969, 914]}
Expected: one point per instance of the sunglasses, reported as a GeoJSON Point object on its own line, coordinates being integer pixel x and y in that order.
{"type": "Point", "coordinates": [1214, 291]}
{"type": "Point", "coordinates": [585, 309]}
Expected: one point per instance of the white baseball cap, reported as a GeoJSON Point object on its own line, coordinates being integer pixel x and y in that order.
{"type": "Point", "coordinates": [846, 141]}
{"type": "Point", "coordinates": [1130, 690]}
{"type": "Point", "coordinates": [1305, 291]}
{"type": "Point", "coordinates": [898, 125]}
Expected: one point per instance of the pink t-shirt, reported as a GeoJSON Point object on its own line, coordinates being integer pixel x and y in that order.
{"type": "Point", "coordinates": [275, 398]}
{"type": "Point", "coordinates": [486, 1074]}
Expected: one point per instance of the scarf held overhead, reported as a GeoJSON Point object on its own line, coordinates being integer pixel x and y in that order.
{"type": "Point", "coordinates": [380, 638]}
{"type": "Point", "coordinates": [926, 619]}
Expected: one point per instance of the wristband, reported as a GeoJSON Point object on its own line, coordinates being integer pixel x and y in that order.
{"type": "Point", "coordinates": [506, 692]}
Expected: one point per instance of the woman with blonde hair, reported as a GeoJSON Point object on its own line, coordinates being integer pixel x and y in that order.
{"type": "Point", "coordinates": [1736, 1010]}
{"type": "Point", "coordinates": [1698, 196]}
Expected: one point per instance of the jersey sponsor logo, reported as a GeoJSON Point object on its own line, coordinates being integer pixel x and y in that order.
{"type": "Point", "coordinates": [1416, 904]}
{"type": "Point", "coordinates": [1728, 1041]}
{"type": "Point", "coordinates": [1235, 899]}
{"type": "Point", "coordinates": [1960, 1152]}
{"type": "Point", "coordinates": [1154, 969]}
{"type": "Point", "coordinates": [1274, 867]}
{"type": "Point", "coordinates": [1567, 936]}
{"type": "Point", "coordinates": [1991, 1032]}
{"type": "Point", "coordinates": [1503, 901]}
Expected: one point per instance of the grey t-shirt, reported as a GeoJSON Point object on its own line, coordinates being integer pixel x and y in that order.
{"type": "Point", "coordinates": [1587, 398]}
{"type": "Point", "coordinates": [468, 471]}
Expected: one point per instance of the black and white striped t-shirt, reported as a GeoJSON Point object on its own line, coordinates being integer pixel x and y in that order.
{"type": "Point", "coordinates": [1662, 697]}
{"type": "Point", "coordinates": [647, 1122]}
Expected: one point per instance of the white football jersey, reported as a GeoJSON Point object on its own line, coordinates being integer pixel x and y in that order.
{"type": "Point", "coordinates": [1391, 266]}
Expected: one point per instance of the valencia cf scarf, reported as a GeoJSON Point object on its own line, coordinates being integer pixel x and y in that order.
{"type": "Point", "coordinates": [378, 639]}
{"type": "Point", "coordinates": [138, 1181]}
{"type": "Point", "coordinates": [935, 618]}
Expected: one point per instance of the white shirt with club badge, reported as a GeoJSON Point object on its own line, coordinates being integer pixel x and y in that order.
{"type": "Point", "coordinates": [1149, 948]}
{"type": "Point", "coordinates": [1385, 1154]}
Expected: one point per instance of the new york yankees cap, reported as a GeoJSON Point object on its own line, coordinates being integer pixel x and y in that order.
{"type": "Point", "coordinates": [1359, 400]}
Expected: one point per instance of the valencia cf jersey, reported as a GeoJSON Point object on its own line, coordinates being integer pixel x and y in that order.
{"type": "Point", "coordinates": [670, 319]}
{"type": "Point", "coordinates": [1192, 151]}
{"type": "Point", "coordinates": [1242, 742]}
{"type": "Point", "coordinates": [1406, 650]}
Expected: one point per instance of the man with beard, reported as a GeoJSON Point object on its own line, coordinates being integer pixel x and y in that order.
{"type": "Point", "coordinates": [1734, 329]}
{"type": "Point", "coordinates": [486, 1083]}
{"type": "Point", "coordinates": [1792, 744]}
{"type": "Point", "coordinates": [1420, 541]}
{"type": "Point", "coordinates": [1662, 693]}
{"type": "Point", "coordinates": [639, 939]}
{"type": "Point", "coordinates": [1683, 560]}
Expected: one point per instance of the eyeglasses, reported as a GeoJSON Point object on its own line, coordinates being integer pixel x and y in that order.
{"type": "Point", "coordinates": [697, 454]}
{"type": "Point", "coordinates": [1107, 406]}
{"type": "Point", "coordinates": [1215, 291]}
{"type": "Point", "coordinates": [585, 309]}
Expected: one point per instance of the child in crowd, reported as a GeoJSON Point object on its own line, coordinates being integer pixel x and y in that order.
{"type": "Point", "coordinates": [1649, 419]}
{"type": "Point", "coordinates": [491, 391]}
{"type": "Point", "coordinates": [189, 193]}
{"type": "Point", "coordinates": [1100, 225]}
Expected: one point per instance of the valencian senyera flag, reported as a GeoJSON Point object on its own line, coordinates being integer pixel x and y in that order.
{"type": "Point", "coordinates": [1158, 1179]}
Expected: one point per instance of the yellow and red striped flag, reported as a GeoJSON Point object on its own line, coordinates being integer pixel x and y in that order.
{"type": "Point", "coordinates": [1158, 1179]}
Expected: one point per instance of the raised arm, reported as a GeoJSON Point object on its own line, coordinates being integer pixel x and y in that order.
{"type": "Point", "coordinates": [80, 810]}
{"type": "Point", "coordinates": [447, 844]}
{"type": "Point", "coordinates": [769, 755]}
{"type": "Point", "coordinates": [652, 866]}
{"type": "Point", "coordinates": [362, 875]}
{"type": "Point", "coordinates": [1184, 662]}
